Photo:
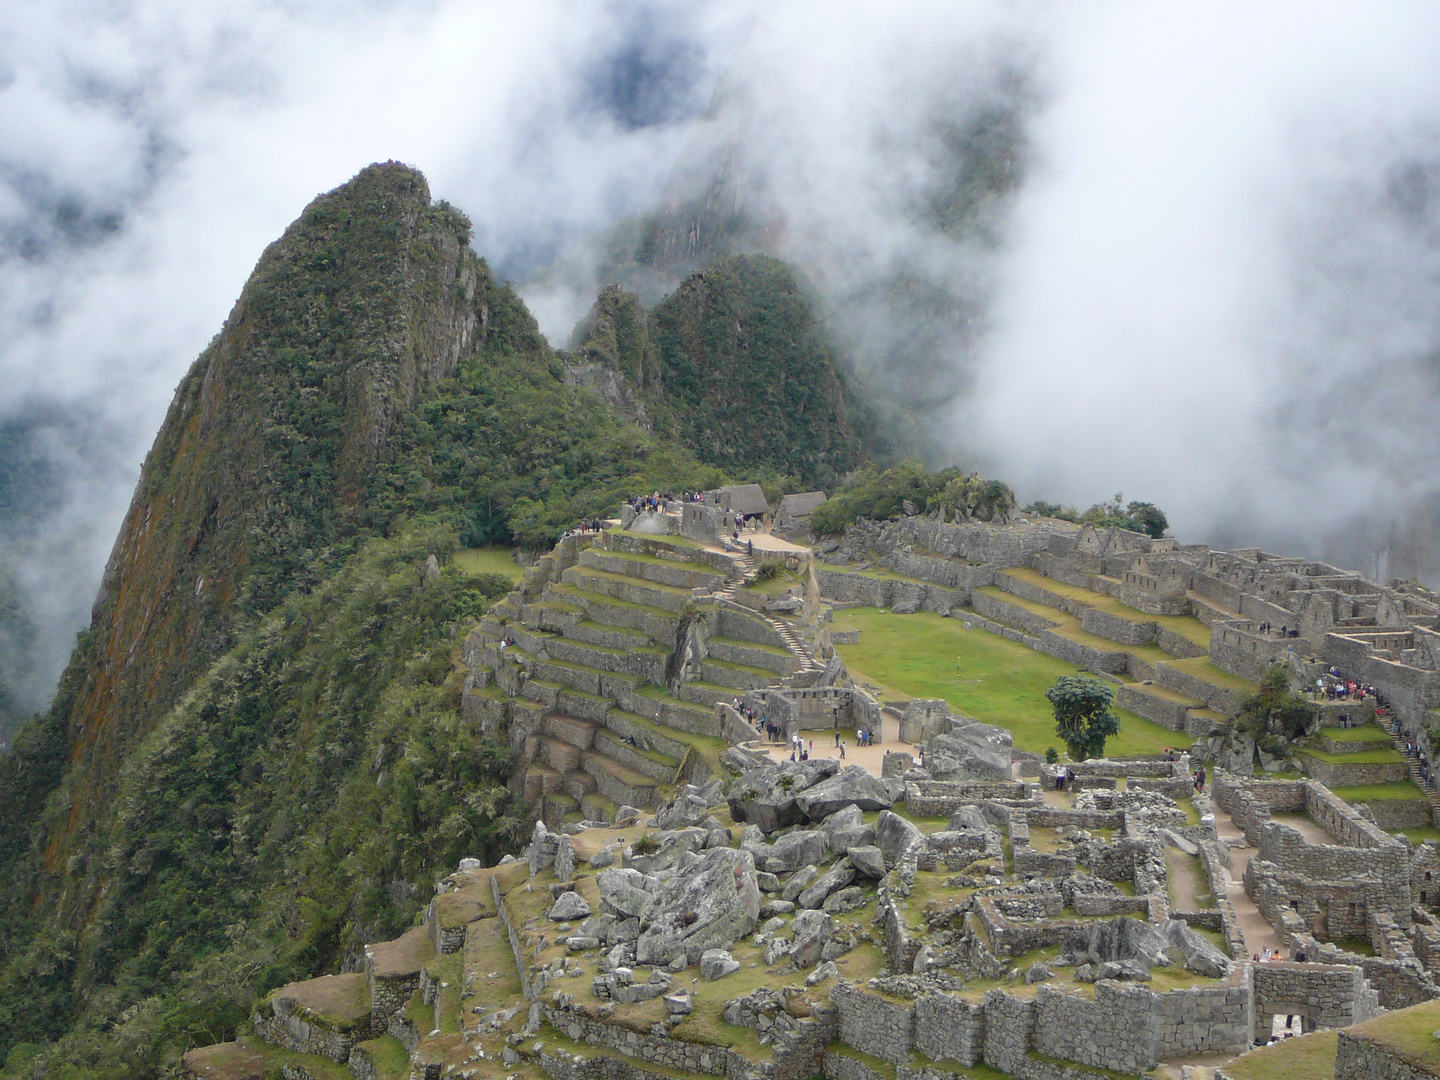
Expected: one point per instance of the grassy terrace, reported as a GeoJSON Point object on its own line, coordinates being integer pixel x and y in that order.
{"type": "Point", "coordinates": [489, 560]}
{"type": "Point", "coordinates": [1191, 629]}
{"type": "Point", "coordinates": [1201, 668]}
{"type": "Point", "coordinates": [1410, 1033]}
{"type": "Point", "coordinates": [655, 560]}
{"type": "Point", "coordinates": [1367, 733]}
{"type": "Point", "coordinates": [1371, 792]}
{"type": "Point", "coordinates": [1362, 757]}
{"type": "Point", "coordinates": [1311, 1057]}
{"type": "Point", "coordinates": [980, 674]}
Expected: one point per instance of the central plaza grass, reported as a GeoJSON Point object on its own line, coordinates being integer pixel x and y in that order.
{"type": "Point", "coordinates": [980, 674]}
{"type": "Point", "coordinates": [1305, 1057]}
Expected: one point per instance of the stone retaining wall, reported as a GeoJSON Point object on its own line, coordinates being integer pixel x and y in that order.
{"type": "Point", "coordinates": [948, 1028]}
{"type": "Point", "coordinates": [874, 1025]}
{"type": "Point", "coordinates": [1349, 773]}
{"type": "Point", "coordinates": [1358, 1057]}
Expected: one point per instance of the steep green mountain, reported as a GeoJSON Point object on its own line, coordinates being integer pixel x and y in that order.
{"type": "Point", "coordinates": [736, 365]}
{"type": "Point", "coordinates": [254, 758]}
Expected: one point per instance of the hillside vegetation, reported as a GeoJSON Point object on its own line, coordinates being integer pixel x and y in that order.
{"type": "Point", "coordinates": [254, 760]}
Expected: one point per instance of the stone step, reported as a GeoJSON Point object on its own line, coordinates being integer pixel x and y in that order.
{"type": "Point", "coordinates": [539, 781]}
{"type": "Point", "coordinates": [325, 1016]}
{"type": "Point", "coordinates": [737, 676]}
{"type": "Point", "coordinates": [576, 732]}
{"type": "Point", "coordinates": [560, 756]}
{"type": "Point", "coordinates": [669, 572]}
{"type": "Point", "coordinates": [656, 623]}
{"type": "Point", "coordinates": [618, 782]}
{"type": "Point", "coordinates": [631, 590]}
{"type": "Point", "coordinates": [657, 766]}
{"type": "Point", "coordinates": [578, 784]}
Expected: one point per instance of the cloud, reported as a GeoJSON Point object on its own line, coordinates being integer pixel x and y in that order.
{"type": "Point", "coordinates": [1221, 291]}
{"type": "Point", "coordinates": [149, 152]}
{"type": "Point", "coordinates": [1187, 251]}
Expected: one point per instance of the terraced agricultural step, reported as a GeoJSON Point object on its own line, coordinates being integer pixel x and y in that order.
{"type": "Point", "coordinates": [669, 572]}
{"type": "Point", "coordinates": [539, 781]}
{"type": "Point", "coordinates": [701, 692]}
{"type": "Point", "coordinates": [738, 676]}
{"type": "Point", "coordinates": [732, 650]}
{"type": "Point", "coordinates": [324, 1016]}
{"type": "Point", "coordinates": [656, 623]}
{"type": "Point", "coordinates": [569, 729]}
{"type": "Point", "coordinates": [619, 782]}
{"type": "Point", "coordinates": [646, 661]}
{"type": "Point", "coordinates": [393, 969]}
{"type": "Point", "coordinates": [560, 756]}
{"type": "Point", "coordinates": [578, 784]}
{"type": "Point", "coordinates": [1165, 707]}
{"type": "Point", "coordinates": [597, 807]}
{"type": "Point", "coordinates": [615, 637]}
{"type": "Point", "coordinates": [658, 767]}
{"type": "Point", "coordinates": [544, 691]}
{"type": "Point", "coordinates": [649, 733]}
{"type": "Point", "coordinates": [632, 590]}
{"type": "Point", "coordinates": [557, 806]}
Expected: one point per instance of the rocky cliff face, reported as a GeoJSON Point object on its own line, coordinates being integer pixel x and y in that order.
{"type": "Point", "coordinates": [261, 463]}
{"type": "Point", "coordinates": [748, 373]}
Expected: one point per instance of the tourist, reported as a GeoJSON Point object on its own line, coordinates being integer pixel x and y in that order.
{"type": "Point", "coordinates": [1200, 779]}
{"type": "Point", "coordinates": [841, 743]}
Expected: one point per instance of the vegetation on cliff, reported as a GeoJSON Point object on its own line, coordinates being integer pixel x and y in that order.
{"type": "Point", "coordinates": [254, 759]}
{"type": "Point", "coordinates": [909, 489]}
{"type": "Point", "coordinates": [734, 364]}
{"type": "Point", "coordinates": [298, 802]}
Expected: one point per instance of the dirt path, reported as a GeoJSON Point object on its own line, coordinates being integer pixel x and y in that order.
{"type": "Point", "coordinates": [1181, 869]}
{"type": "Point", "coordinates": [1258, 932]}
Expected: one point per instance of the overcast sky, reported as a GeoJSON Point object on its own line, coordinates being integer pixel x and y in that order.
{"type": "Point", "coordinates": [1216, 288]}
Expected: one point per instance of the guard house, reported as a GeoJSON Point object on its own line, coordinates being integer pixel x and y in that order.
{"type": "Point", "coordinates": [794, 511]}
{"type": "Point", "coordinates": [747, 500]}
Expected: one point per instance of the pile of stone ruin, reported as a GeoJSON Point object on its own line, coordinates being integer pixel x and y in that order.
{"type": "Point", "coordinates": [801, 920]}
{"type": "Point", "coordinates": [778, 919]}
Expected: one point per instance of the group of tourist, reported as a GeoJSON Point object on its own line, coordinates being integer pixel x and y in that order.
{"type": "Point", "coordinates": [1338, 687]}
{"type": "Point", "coordinates": [1284, 631]}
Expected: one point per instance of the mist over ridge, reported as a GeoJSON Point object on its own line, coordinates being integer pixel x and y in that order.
{"type": "Point", "coordinates": [1190, 253]}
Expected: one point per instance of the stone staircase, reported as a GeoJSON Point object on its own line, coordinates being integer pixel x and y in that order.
{"type": "Point", "coordinates": [1392, 728]}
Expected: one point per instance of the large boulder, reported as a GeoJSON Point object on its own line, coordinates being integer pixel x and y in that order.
{"type": "Point", "coordinates": [851, 786]}
{"type": "Point", "coordinates": [792, 851]}
{"type": "Point", "coordinates": [569, 907]}
{"type": "Point", "coordinates": [837, 877]}
{"type": "Point", "coordinates": [766, 796]}
{"type": "Point", "coordinates": [673, 844]}
{"type": "Point", "coordinates": [869, 861]}
{"type": "Point", "coordinates": [976, 752]}
{"type": "Point", "coordinates": [1201, 956]}
{"type": "Point", "coordinates": [894, 836]}
{"type": "Point", "coordinates": [624, 893]}
{"type": "Point", "coordinates": [810, 933]}
{"type": "Point", "coordinates": [1128, 941]}
{"type": "Point", "coordinates": [712, 905]}
{"type": "Point", "coordinates": [846, 828]}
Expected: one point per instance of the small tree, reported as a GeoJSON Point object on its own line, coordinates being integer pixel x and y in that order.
{"type": "Point", "coordinates": [1082, 715]}
{"type": "Point", "coordinates": [1276, 710]}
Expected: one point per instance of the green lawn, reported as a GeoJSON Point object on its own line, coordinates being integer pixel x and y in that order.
{"type": "Point", "coordinates": [998, 681]}
{"type": "Point", "coordinates": [489, 560]}
{"type": "Point", "coordinates": [1305, 1057]}
{"type": "Point", "coordinates": [1421, 834]}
